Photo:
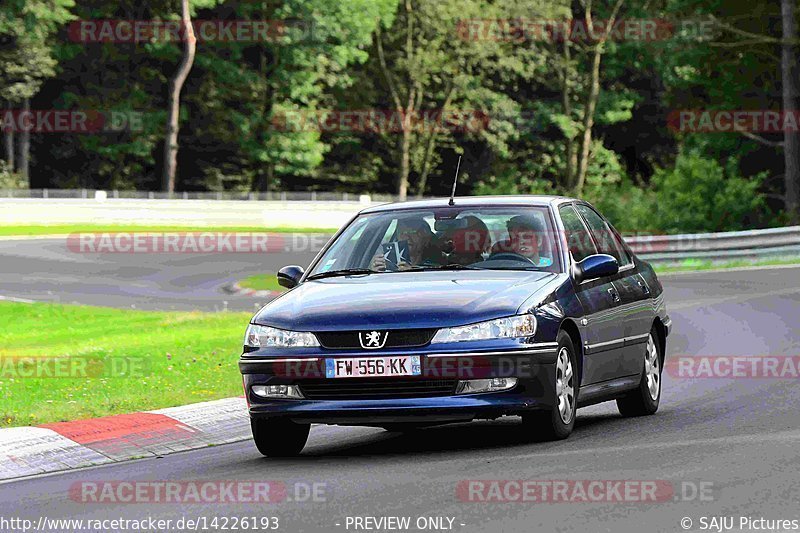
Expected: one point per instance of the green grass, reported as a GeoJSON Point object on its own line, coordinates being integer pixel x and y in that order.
{"type": "Point", "coordinates": [261, 282]}
{"type": "Point", "coordinates": [691, 265]}
{"type": "Point", "coordinates": [18, 230]}
{"type": "Point", "coordinates": [181, 357]}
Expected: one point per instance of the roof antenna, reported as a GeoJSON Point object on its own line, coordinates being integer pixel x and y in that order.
{"type": "Point", "coordinates": [455, 182]}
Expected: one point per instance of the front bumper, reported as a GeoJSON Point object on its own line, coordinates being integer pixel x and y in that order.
{"type": "Point", "coordinates": [532, 365]}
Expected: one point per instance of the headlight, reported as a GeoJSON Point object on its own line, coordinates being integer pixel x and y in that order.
{"type": "Point", "coordinates": [502, 328]}
{"type": "Point", "coordinates": [265, 337]}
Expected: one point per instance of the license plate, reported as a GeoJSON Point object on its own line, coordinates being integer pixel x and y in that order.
{"type": "Point", "coordinates": [358, 367]}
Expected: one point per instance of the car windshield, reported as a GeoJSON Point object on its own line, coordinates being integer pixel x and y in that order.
{"type": "Point", "coordinates": [496, 238]}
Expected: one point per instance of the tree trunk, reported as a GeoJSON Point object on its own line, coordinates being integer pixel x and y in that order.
{"type": "Point", "coordinates": [566, 107]}
{"type": "Point", "coordinates": [8, 138]}
{"type": "Point", "coordinates": [594, 91]}
{"type": "Point", "coordinates": [588, 121]}
{"type": "Point", "coordinates": [791, 98]}
{"type": "Point", "coordinates": [405, 162]}
{"type": "Point", "coordinates": [175, 86]}
{"type": "Point", "coordinates": [431, 145]}
{"type": "Point", "coordinates": [25, 147]}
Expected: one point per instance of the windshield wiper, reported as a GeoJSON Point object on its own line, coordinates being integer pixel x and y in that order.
{"type": "Point", "coordinates": [451, 266]}
{"type": "Point", "coordinates": [342, 272]}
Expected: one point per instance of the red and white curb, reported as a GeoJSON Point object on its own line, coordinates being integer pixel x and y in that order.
{"type": "Point", "coordinates": [235, 288]}
{"type": "Point", "coordinates": [26, 451]}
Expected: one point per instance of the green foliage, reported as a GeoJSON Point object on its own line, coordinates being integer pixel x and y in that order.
{"type": "Point", "coordinates": [9, 179]}
{"type": "Point", "coordinates": [628, 207]}
{"type": "Point", "coordinates": [28, 60]}
{"type": "Point", "coordinates": [698, 195]}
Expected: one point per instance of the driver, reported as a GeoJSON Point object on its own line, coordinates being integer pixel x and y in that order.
{"type": "Point", "coordinates": [468, 245]}
{"type": "Point", "coordinates": [421, 245]}
{"type": "Point", "coordinates": [525, 237]}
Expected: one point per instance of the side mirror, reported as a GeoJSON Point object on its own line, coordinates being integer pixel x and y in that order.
{"type": "Point", "coordinates": [289, 276]}
{"type": "Point", "coordinates": [595, 266]}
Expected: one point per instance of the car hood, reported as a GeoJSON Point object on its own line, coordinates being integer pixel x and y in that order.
{"type": "Point", "coordinates": [406, 300]}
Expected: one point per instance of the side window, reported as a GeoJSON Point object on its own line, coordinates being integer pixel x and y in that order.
{"type": "Point", "coordinates": [578, 239]}
{"type": "Point", "coordinates": [602, 233]}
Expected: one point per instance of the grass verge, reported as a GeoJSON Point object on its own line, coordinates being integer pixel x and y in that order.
{"type": "Point", "coordinates": [691, 265]}
{"type": "Point", "coordinates": [17, 230]}
{"type": "Point", "coordinates": [67, 362]}
{"type": "Point", "coordinates": [261, 282]}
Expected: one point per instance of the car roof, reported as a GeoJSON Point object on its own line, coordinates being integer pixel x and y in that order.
{"type": "Point", "coordinates": [472, 201]}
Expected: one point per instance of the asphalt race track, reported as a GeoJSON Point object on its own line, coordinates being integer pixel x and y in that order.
{"type": "Point", "coordinates": [736, 440]}
{"type": "Point", "coordinates": [47, 270]}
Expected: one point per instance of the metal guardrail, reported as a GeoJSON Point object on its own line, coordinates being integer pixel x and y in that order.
{"type": "Point", "coordinates": [747, 245]}
{"type": "Point", "coordinates": [277, 196]}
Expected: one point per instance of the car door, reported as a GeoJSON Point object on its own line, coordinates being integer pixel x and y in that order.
{"type": "Point", "coordinates": [603, 339]}
{"type": "Point", "coordinates": [634, 312]}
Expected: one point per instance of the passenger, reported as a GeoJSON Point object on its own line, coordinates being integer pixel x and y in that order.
{"type": "Point", "coordinates": [469, 244]}
{"type": "Point", "coordinates": [525, 237]}
{"type": "Point", "coordinates": [422, 249]}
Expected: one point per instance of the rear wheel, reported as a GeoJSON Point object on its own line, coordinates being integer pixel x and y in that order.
{"type": "Point", "coordinates": [645, 399]}
{"type": "Point", "coordinates": [557, 422]}
{"type": "Point", "coordinates": [279, 438]}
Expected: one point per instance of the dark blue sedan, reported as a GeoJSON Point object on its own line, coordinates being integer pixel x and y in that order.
{"type": "Point", "coordinates": [428, 312]}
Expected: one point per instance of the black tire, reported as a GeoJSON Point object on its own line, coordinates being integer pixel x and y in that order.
{"type": "Point", "coordinates": [549, 424]}
{"type": "Point", "coordinates": [640, 401]}
{"type": "Point", "coordinates": [279, 438]}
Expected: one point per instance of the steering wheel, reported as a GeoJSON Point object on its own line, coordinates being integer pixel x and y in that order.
{"type": "Point", "coordinates": [510, 256]}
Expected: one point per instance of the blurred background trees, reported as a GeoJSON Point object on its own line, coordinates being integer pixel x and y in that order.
{"type": "Point", "coordinates": [529, 111]}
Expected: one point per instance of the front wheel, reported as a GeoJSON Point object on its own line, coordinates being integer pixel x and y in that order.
{"type": "Point", "coordinates": [279, 438]}
{"type": "Point", "coordinates": [645, 399]}
{"type": "Point", "coordinates": [557, 422]}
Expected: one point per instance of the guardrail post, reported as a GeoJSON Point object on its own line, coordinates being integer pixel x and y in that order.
{"type": "Point", "coordinates": [44, 193]}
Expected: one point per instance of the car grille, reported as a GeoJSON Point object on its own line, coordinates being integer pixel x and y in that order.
{"type": "Point", "coordinates": [358, 388]}
{"type": "Point", "coordinates": [398, 338]}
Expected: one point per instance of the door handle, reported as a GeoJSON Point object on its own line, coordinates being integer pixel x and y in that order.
{"type": "Point", "coordinates": [644, 287]}
{"type": "Point", "coordinates": [614, 295]}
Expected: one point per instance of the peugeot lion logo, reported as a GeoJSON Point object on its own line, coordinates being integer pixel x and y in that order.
{"type": "Point", "coordinates": [372, 340]}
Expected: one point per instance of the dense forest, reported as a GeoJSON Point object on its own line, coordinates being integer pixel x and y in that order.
{"type": "Point", "coordinates": [670, 115]}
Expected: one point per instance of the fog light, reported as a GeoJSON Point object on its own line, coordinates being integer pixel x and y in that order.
{"type": "Point", "coordinates": [277, 391]}
{"type": "Point", "coordinates": [470, 386]}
